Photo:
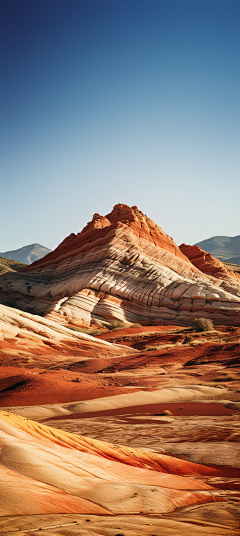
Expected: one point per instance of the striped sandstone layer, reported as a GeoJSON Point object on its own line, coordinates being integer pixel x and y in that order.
{"type": "Point", "coordinates": [124, 267]}
{"type": "Point", "coordinates": [209, 265]}
{"type": "Point", "coordinates": [67, 473]}
{"type": "Point", "coordinates": [24, 336]}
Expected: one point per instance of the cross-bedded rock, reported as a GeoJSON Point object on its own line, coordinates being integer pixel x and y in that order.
{"type": "Point", "coordinates": [122, 267]}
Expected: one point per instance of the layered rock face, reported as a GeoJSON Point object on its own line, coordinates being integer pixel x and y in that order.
{"type": "Point", "coordinates": [124, 267]}
{"type": "Point", "coordinates": [230, 281]}
{"type": "Point", "coordinates": [26, 338]}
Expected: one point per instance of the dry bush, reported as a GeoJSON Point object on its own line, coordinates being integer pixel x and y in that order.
{"type": "Point", "coordinates": [202, 324]}
{"type": "Point", "coordinates": [88, 331]}
{"type": "Point", "coordinates": [188, 339]}
{"type": "Point", "coordinates": [118, 324]}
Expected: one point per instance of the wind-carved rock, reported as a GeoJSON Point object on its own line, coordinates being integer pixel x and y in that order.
{"type": "Point", "coordinates": [121, 266]}
{"type": "Point", "coordinates": [230, 281]}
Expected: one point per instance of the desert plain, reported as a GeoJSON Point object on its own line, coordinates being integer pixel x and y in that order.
{"type": "Point", "coordinates": [118, 418]}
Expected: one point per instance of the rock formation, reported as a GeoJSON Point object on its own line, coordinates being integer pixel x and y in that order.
{"type": "Point", "coordinates": [122, 441]}
{"type": "Point", "coordinates": [230, 281]}
{"type": "Point", "coordinates": [26, 336]}
{"type": "Point", "coordinates": [124, 267]}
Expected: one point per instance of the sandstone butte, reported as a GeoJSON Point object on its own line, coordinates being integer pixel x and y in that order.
{"type": "Point", "coordinates": [123, 267]}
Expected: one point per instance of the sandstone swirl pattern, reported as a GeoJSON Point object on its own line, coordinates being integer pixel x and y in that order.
{"type": "Point", "coordinates": [230, 281]}
{"type": "Point", "coordinates": [122, 266]}
{"type": "Point", "coordinates": [66, 473]}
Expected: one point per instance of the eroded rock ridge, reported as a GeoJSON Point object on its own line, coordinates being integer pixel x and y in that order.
{"type": "Point", "coordinates": [121, 266]}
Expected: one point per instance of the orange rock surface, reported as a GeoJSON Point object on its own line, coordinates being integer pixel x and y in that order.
{"type": "Point", "coordinates": [100, 230]}
{"type": "Point", "coordinates": [167, 406]}
{"type": "Point", "coordinates": [68, 473]}
{"type": "Point", "coordinates": [120, 267]}
{"type": "Point", "coordinates": [211, 266]}
{"type": "Point", "coordinates": [165, 466]}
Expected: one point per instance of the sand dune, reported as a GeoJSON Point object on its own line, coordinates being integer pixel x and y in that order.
{"type": "Point", "coordinates": [40, 461]}
{"type": "Point", "coordinates": [108, 403]}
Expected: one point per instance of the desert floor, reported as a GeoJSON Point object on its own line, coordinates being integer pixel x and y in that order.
{"type": "Point", "coordinates": [162, 430]}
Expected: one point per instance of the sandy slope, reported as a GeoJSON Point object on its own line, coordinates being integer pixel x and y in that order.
{"type": "Point", "coordinates": [89, 470]}
{"type": "Point", "coordinates": [126, 400]}
{"type": "Point", "coordinates": [148, 464]}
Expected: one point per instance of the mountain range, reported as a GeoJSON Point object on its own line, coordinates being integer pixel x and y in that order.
{"type": "Point", "coordinates": [26, 254]}
{"type": "Point", "coordinates": [225, 248]}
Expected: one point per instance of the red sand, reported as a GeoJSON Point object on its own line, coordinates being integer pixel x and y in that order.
{"type": "Point", "coordinates": [135, 330]}
{"type": "Point", "coordinates": [23, 387]}
{"type": "Point", "coordinates": [182, 409]}
{"type": "Point", "coordinates": [54, 378]}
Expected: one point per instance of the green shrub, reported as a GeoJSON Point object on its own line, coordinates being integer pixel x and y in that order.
{"type": "Point", "coordinates": [202, 324]}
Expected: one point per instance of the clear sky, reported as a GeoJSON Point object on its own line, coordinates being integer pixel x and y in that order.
{"type": "Point", "coordinates": [119, 101]}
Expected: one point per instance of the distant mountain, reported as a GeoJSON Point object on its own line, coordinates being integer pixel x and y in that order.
{"type": "Point", "coordinates": [225, 248]}
{"type": "Point", "coordinates": [27, 254]}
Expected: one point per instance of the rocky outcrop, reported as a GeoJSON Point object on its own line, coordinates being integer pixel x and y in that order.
{"type": "Point", "coordinates": [230, 281]}
{"type": "Point", "coordinates": [26, 338]}
{"type": "Point", "coordinates": [121, 266]}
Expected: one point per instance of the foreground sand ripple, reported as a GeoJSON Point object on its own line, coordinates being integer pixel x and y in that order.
{"type": "Point", "coordinates": [67, 473]}
{"type": "Point", "coordinates": [216, 519]}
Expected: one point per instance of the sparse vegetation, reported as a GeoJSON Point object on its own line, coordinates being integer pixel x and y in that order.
{"type": "Point", "coordinates": [152, 348]}
{"type": "Point", "coordinates": [115, 325]}
{"type": "Point", "coordinates": [88, 331]}
{"type": "Point", "coordinates": [188, 339]}
{"type": "Point", "coordinates": [202, 324]}
{"type": "Point", "coordinates": [8, 265]}
{"type": "Point", "coordinates": [118, 324]}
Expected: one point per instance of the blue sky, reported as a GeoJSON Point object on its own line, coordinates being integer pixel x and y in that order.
{"type": "Point", "coordinates": [119, 101]}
